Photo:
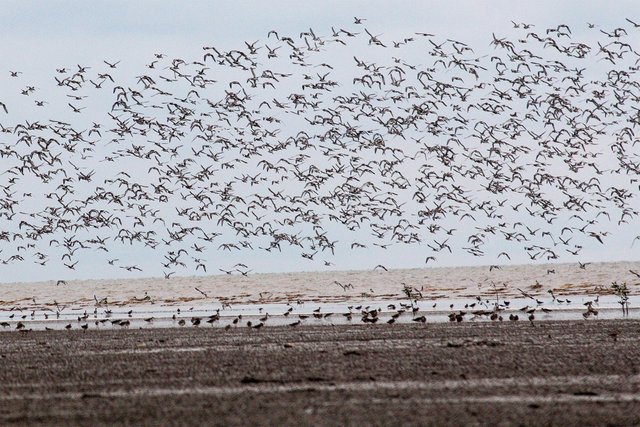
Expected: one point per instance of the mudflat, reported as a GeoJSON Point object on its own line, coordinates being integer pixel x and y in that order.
{"type": "Point", "coordinates": [509, 373]}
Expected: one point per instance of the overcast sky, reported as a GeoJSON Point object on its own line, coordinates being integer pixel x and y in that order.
{"type": "Point", "coordinates": [38, 37]}
{"type": "Point", "coordinates": [66, 31]}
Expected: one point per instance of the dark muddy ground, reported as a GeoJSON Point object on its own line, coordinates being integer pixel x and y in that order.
{"type": "Point", "coordinates": [510, 373]}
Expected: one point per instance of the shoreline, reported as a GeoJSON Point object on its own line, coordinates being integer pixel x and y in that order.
{"type": "Point", "coordinates": [434, 295]}
{"type": "Point", "coordinates": [480, 267]}
{"type": "Point", "coordinates": [335, 286]}
{"type": "Point", "coordinates": [211, 314]}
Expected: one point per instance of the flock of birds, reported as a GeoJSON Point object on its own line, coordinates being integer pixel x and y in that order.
{"type": "Point", "coordinates": [414, 310]}
{"type": "Point", "coordinates": [314, 144]}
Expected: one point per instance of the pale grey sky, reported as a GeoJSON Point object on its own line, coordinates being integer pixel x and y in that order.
{"type": "Point", "coordinates": [38, 37]}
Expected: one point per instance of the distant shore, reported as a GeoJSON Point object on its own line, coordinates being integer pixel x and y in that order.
{"type": "Point", "coordinates": [333, 286]}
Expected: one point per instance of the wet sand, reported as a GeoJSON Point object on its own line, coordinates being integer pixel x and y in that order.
{"type": "Point", "coordinates": [509, 373]}
{"type": "Point", "coordinates": [331, 286]}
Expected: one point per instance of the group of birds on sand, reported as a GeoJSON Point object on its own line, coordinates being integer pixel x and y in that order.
{"type": "Point", "coordinates": [318, 143]}
{"type": "Point", "coordinates": [411, 311]}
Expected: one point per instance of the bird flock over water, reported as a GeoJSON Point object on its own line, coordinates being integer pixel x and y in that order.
{"type": "Point", "coordinates": [319, 144]}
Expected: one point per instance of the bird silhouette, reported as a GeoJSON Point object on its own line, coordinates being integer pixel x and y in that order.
{"type": "Point", "coordinates": [283, 149]}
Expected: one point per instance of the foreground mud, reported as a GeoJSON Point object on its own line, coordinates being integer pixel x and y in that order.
{"type": "Point", "coordinates": [516, 373]}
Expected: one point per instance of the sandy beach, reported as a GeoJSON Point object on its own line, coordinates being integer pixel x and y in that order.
{"type": "Point", "coordinates": [333, 286]}
{"type": "Point", "coordinates": [515, 373]}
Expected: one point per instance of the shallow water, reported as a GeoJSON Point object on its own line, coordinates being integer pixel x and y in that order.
{"type": "Point", "coordinates": [431, 292]}
{"type": "Point", "coordinates": [328, 313]}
